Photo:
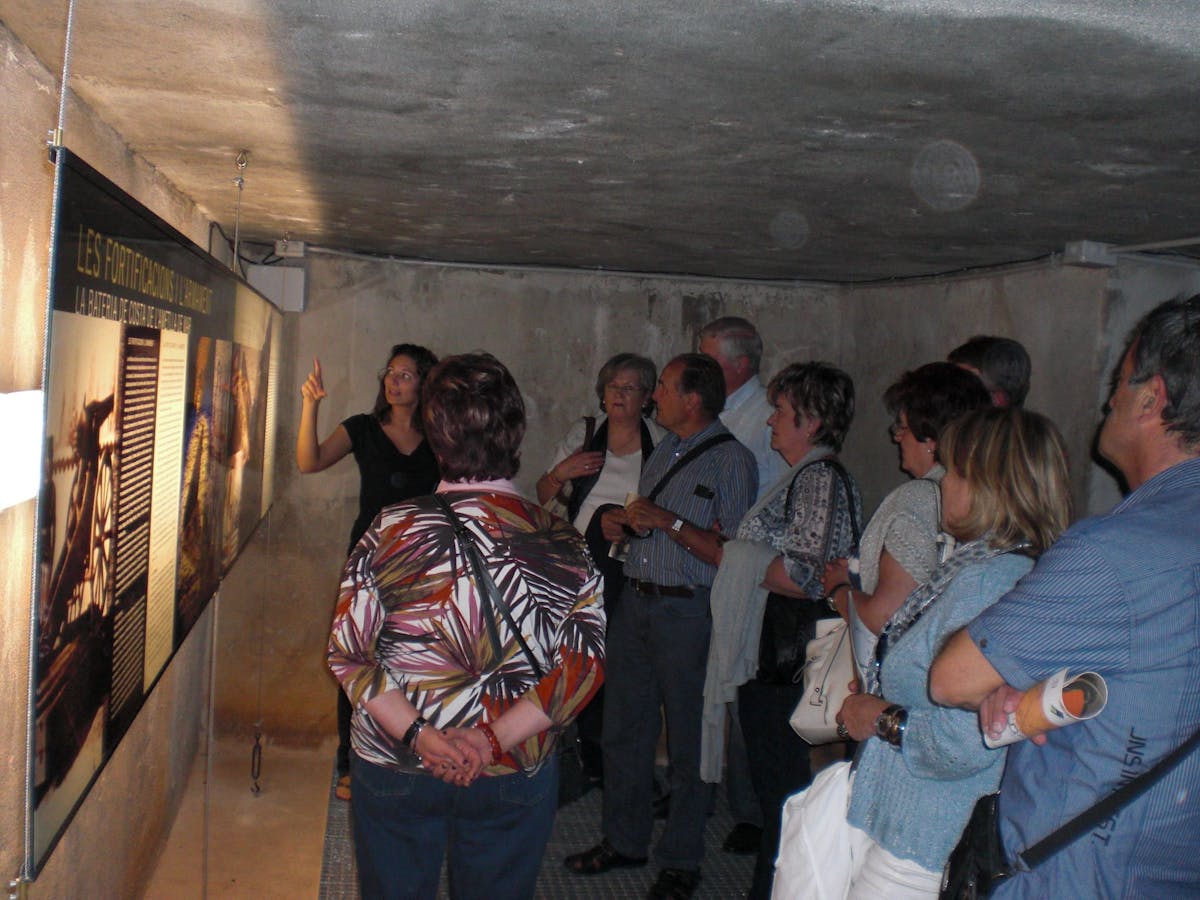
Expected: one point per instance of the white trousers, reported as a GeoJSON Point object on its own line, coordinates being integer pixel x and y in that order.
{"type": "Point", "coordinates": [824, 857]}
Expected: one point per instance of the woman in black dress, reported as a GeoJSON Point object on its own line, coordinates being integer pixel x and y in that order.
{"type": "Point", "coordinates": [394, 464]}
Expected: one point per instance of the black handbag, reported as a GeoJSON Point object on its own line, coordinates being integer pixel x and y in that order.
{"type": "Point", "coordinates": [789, 623]}
{"type": "Point", "coordinates": [977, 864]}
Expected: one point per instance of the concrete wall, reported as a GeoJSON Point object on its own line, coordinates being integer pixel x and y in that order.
{"type": "Point", "coordinates": [115, 838]}
{"type": "Point", "coordinates": [554, 330]}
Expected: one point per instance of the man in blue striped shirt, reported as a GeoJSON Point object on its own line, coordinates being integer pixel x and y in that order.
{"type": "Point", "coordinates": [694, 489]}
{"type": "Point", "coordinates": [1118, 594]}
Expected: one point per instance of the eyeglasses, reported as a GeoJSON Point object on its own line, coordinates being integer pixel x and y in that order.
{"type": "Point", "coordinates": [402, 374]}
{"type": "Point", "coordinates": [896, 429]}
{"type": "Point", "coordinates": [623, 389]}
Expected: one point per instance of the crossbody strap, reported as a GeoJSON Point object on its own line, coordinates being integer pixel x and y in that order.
{"type": "Point", "coordinates": [685, 459]}
{"type": "Point", "coordinates": [489, 594]}
{"type": "Point", "coordinates": [844, 476]}
{"type": "Point", "coordinates": [1106, 808]}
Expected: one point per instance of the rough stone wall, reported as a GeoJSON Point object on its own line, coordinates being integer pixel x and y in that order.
{"type": "Point", "coordinates": [1056, 312]}
{"type": "Point", "coordinates": [115, 837]}
{"type": "Point", "coordinates": [554, 330]}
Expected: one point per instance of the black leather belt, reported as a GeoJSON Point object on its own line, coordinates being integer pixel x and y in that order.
{"type": "Point", "coordinates": [650, 589]}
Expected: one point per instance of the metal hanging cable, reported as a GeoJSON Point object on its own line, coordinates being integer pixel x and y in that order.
{"type": "Point", "coordinates": [243, 159]}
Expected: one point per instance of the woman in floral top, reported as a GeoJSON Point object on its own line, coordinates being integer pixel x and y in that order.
{"type": "Point", "coordinates": [444, 689]}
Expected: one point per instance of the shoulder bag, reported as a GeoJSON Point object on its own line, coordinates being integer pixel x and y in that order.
{"type": "Point", "coordinates": [788, 622]}
{"type": "Point", "coordinates": [976, 865]}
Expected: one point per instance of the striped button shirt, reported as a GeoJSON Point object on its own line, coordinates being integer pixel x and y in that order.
{"type": "Point", "coordinates": [714, 489]}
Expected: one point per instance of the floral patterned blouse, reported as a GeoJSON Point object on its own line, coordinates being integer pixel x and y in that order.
{"type": "Point", "coordinates": [409, 618]}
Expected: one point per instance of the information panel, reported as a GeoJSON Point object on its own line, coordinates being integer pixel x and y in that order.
{"type": "Point", "coordinates": [159, 390]}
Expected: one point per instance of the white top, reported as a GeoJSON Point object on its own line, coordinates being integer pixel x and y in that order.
{"type": "Point", "coordinates": [618, 478]}
{"type": "Point", "coordinates": [745, 415]}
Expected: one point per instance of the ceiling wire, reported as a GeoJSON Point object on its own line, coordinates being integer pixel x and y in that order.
{"type": "Point", "coordinates": [56, 136]}
{"type": "Point", "coordinates": [243, 159]}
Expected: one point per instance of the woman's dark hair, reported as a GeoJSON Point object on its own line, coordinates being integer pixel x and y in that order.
{"type": "Point", "coordinates": [425, 361]}
{"type": "Point", "coordinates": [474, 418]}
{"type": "Point", "coordinates": [933, 396]}
{"type": "Point", "coordinates": [820, 391]}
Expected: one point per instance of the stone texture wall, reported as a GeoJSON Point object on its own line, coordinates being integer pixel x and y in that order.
{"type": "Point", "coordinates": [554, 330]}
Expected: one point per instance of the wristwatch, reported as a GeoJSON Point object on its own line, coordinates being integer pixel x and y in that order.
{"type": "Point", "coordinates": [890, 725]}
{"type": "Point", "coordinates": [676, 526]}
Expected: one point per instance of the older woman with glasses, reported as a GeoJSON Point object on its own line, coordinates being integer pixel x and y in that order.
{"type": "Point", "coordinates": [394, 464]}
{"type": "Point", "coordinates": [900, 545]}
{"type": "Point", "coordinates": [595, 467]}
{"type": "Point", "coordinates": [783, 543]}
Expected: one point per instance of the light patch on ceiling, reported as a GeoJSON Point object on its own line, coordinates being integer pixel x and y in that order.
{"type": "Point", "coordinates": [548, 129]}
{"type": "Point", "coordinates": [1123, 170]}
{"type": "Point", "coordinates": [945, 176]}
{"type": "Point", "coordinates": [789, 229]}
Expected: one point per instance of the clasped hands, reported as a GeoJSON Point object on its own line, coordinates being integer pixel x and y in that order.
{"type": "Point", "coordinates": [454, 755]}
{"type": "Point", "coordinates": [641, 516]}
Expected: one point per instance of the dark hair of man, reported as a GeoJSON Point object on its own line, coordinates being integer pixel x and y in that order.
{"type": "Point", "coordinates": [933, 395]}
{"type": "Point", "coordinates": [702, 375]}
{"type": "Point", "coordinates": [640, 367]}
{"type": "Point", "coordinates": [820, 391]}
{"type": "Point", "coordinates": [1166, 342]}
{"type": "Point", "coordinates": [425, 361]}
{"type": "Point", "coordinates": [474, 418]}
{"type": "Point", "coordinates": [1002, 362]}
{"type": "Point", "coordinates": [738, 337]}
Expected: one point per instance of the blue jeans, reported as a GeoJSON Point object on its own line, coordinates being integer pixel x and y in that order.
{"type": "Point", "coordinates": [493, 832]}
{"type": "Point", "coordinates": [656, 658]}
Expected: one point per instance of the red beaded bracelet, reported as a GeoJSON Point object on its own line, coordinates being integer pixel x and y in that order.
{"type": "Point", "coordinates": [493, 740]}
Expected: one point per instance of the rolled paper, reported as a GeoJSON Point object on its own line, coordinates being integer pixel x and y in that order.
{"type": "Point", "coordinates": [1059, 700]}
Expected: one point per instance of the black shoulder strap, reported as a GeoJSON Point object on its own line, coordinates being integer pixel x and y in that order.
{"type": "Point", "coordinates": [687, 458]}
{"type": "Point", "coordinates": [1106, 808]}
{"type": "Point", "coordinates": [489, 594]}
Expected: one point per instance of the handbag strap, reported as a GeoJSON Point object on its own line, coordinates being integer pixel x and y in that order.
{"type": "Point", "coordinates": [685, 459]}
{"type": "Point", "coordinates": [844, 476]}
{"type": "Point", "coordinates": [489, 594]}
{"type": "Point", "coordinates": [1106, 808]}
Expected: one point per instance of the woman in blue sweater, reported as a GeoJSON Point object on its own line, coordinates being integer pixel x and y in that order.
{"type": "Point", "coordinates": [921, 767]}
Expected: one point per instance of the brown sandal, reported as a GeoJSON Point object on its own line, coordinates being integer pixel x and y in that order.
{"type": "Point", "coordinates": [600, 859]}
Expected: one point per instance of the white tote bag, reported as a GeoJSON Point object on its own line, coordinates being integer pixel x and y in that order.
{"type": "Point", "coordinates": [817, 846]}
{"type": "Point", "coordinates": [828, 671]}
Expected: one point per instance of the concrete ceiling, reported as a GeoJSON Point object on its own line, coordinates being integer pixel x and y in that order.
{"type": "Point", "coordinates": [831, 140]}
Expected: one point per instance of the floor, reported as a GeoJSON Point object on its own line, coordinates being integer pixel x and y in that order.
{"type": "Point", "coordinates": [260, 845]}
{"type": "Point", "coordinates": [291, 838]}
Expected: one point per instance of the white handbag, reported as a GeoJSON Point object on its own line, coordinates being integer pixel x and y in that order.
{"type": "Point", "coordinates": [818, 849]}
{"type": "Point", "coordinates": [828, 671]}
